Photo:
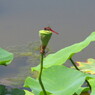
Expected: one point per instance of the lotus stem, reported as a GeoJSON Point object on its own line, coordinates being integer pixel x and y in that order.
{"type": "Point", "coordinates": [40, 75]}
{"type": "Point", "coordinates": [79, 70]}
{"type": "Point", "coordinates": [74, 63]}
{"type": "Point", "coordinates": [45, 36]}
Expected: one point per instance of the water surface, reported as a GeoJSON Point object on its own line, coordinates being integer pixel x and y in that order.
{"type": "Point", "coordinates": [20, 21]}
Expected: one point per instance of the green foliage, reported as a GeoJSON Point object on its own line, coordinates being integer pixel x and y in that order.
{"type": "Point", "coordinates": [33, 85]}
{"type": "Point", "coordinates": [87, 67]}
{"type": "Point", "coordinates": [3, 90]}
{"type": "Point", "coordinates": [64, 54]}
{"type": "Point", "coordinates": [61, 80]}
{"type": "Point", "coordinates": [28, 92]}
{"type": "Point", "coordinates": [5, 57]}
{"type": "Point", "coordinates": [58, 80]}
{"type": "Point", "coordinates": [15, 91]}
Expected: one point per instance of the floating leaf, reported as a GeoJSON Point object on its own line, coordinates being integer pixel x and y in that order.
{"type": "Point", "coordinates": [88, 66]}
{"type": "Point", "coordinates": [58, 80]}
{"type": "Point", "coordinates": [5, 57]}
{"type": "Point", "coordinates": [64, 54]}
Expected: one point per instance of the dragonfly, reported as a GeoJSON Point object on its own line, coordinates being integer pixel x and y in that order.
{"type": "Point", "coordinates": [48, 28]}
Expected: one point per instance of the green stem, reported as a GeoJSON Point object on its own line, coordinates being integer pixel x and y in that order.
{"type": "Point", "coordinates": [41, 68]}
{"type": "Point", "coordinates": [74, 63]}
{"type": "Point", "coordinates": [79, 70]}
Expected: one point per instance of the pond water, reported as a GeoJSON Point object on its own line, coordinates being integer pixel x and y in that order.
{"type": "Point", "coordinates": [21, 20]}
{"type": "Point", "coordinates": [25, 57]}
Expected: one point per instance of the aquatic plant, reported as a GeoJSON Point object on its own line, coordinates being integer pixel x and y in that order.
{"type": "Point", "coordinates": [58, 79]}
{"type": "Point", "coordinates": [5, 57]}
{"type": "Point", "coordinates": [45, 36]}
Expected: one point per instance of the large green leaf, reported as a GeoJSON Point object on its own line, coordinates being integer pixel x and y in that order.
{"type": "Point", "coordinates": [88, 66]}
{"type": "Point", "coordinates": [5, 57]}
{"type": "Point", "coordinates": [33, 85]}
{"type": "Point", "coordinates": [64, 54]}
{"type": "Point", "coordinates": [58, 80]}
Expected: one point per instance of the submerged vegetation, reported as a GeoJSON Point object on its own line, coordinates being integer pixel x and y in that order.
{"type": "Point", "coordinates": [54, 78]}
